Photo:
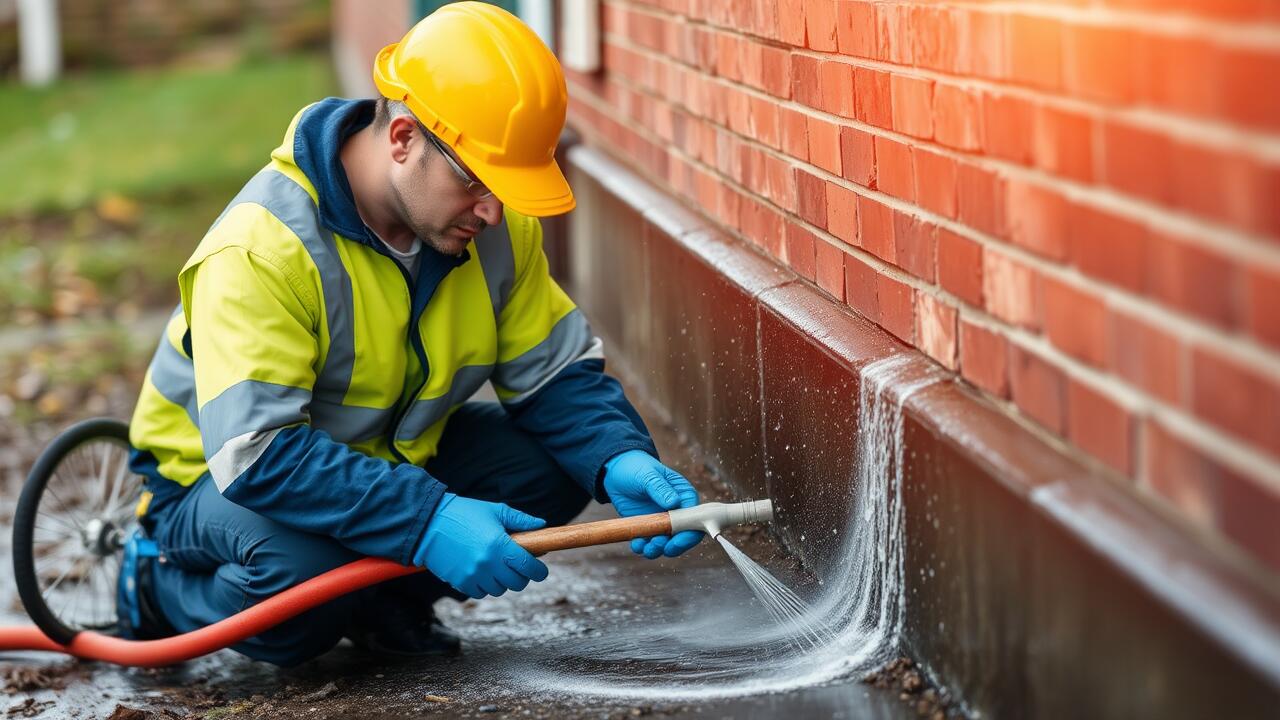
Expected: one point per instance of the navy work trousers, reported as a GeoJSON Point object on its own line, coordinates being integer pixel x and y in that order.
{"type": "Point", "coordinates": [222, 558]}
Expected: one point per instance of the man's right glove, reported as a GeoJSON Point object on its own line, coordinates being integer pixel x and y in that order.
{"type": "Point", "coordinates": [466, 545]}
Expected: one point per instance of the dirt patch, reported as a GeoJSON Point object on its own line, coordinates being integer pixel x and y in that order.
{"type": "Point", "coordinates": [903, 675]}
{"type": "Point", "coordinates": [23, 678]}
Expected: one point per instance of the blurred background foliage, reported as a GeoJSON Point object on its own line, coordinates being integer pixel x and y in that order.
{"type": "Point", "coordinates": [109, 178]}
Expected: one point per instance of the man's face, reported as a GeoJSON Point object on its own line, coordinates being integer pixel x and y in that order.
{"type": "Point", "coordinates": [433, 198]}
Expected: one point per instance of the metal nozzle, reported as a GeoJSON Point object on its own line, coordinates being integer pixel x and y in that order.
{"type": "Point", "coordinates": [710, 517]}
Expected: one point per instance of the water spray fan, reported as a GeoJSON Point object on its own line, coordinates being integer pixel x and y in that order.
{"type": "Point", "coordinates": [708, 517]}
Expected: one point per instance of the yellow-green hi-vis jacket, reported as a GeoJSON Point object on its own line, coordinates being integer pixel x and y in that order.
{"type": "Point", "coordinates": [311, 376]}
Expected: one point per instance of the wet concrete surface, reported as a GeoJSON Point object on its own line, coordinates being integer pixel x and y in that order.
{"type": "Point", "coordinates": [609, 634]}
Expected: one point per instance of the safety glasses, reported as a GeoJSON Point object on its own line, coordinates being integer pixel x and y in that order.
{"type": "Point", "coordinates": [474, 187]}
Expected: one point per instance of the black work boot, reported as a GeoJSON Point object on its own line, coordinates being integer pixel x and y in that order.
{"type": "Point", "coordinates": [404, 631]}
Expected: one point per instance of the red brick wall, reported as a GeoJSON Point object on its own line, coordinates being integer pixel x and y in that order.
{"type": "Point", "coordinates": [1074, 204]}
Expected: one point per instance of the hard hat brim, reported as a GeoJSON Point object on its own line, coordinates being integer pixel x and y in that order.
{"type": "Point", "coordinates": [536, 191]}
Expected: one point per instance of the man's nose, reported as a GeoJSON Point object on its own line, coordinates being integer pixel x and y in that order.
{"type": "Point", "coordinates": [489, 210]}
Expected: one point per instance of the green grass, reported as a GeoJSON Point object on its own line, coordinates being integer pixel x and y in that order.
{"type": "Point", "coordinates": [148, 133]}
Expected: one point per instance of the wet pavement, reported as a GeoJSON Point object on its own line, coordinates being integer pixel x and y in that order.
{"type": "Point", "coordinates": [609, 634]}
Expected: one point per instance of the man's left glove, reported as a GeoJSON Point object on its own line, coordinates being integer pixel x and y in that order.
{"type": "Point", "coordinates": [638, 484]}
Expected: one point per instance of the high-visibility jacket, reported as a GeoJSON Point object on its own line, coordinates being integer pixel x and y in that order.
{"type": "Point", "coordinates": [311, 376]}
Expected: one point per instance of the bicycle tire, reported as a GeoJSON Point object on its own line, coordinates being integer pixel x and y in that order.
{"type": "Point", "coordinates": [26, 512]}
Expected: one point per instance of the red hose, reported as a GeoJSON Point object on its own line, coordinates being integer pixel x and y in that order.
{"type": "Point", "coordinates": [266, 614]}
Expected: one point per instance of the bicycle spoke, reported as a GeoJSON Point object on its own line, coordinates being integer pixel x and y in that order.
{"type": "Point", "coordinates": [80, 521]}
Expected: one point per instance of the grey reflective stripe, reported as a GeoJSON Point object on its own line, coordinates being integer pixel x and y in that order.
{"type": "Point", "coordinates": [237, 455]}
{"type": "Point", "coordinates": [250, 406]}
{"type": "Point", "coordinates": [498, 262]}
{"type": "Point", "coordinates": [424, 413]}
{"type": "Point", "coordinates": [291, 205]}
{"type": "Point", "coordinates": [350, 423]}
{"type": "Point", "coordinates": [569, 341]}
{"type": "Point", "coordinates": [175, 377]}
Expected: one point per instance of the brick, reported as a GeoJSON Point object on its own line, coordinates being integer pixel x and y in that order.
{"type": "Point", "coordinates": [1008, 289]}
{"type": "Point", "coordinates": [1178, 73]}
{"type": "Point", "coordinates": [1036, 219]}
{"type": "Point", "coordinates": [764, 122]}
{"type": "Point", "coordinates": [1062, 143]}
{"type": "Point", "coordinates": [820, 24]}
{"type": "Point", "coordinates": [1035, 51]}
{"type": "Point", "coordinates": [936, 332]}
{"type": "Point", "coordinates": [876, 229]}
{"type": "Point", "coordinates": [873, 101]}
{"type": "Point", "coordinates": [1248, 87]}
{"type": "Point", "coordinates": [1147, 357]}
{"type": "Point", "coordinates": [937, 40]}
{"type": "Point", "coordinates": [1037, 388]}
{"type": "Point", "coordinates": [811, 196]}
{"type": "Point", "coordinates": [824, 144]}
{"type": "Point", "coordinates": [895, 172]}
{"type": "Point", "coordinates": [1247, 514]}
{"type": "Point", "coordinates": [897, 308]}
{"type": "Point", "coordinates": [1182, 474]}
{"type": "Point", "coordinates": [856, 28]}
{"type": "Point", "coordinates": [1100, 426]}
{"type": "Point", "coordinates": [1194, 279]}
{"type": "Point", "coordinates": [935, 177]}
{"type": "Point", "coordinates": [830, 269]}
{"type": "Point", "coordinates": [981, 196]}
{"type": "Point", "coordinates": [1136, 161]}
{"type": "Point", "coordinates": [795, 133]}
{"type": "Point", "coordinates": [1227, 185]}
{"type": "Point", "coordinates": [801, 255]}
{"type": "Point", "coordinates": [791, 25]}
{"type": "Point", "coordinates": [893, 41]}
{"type": "Point", "coordinates": [836, 79]}
{"type": "Point", "coordinates": [779, 183]}
{"type": "Point", "coordinates": [806, 81]}
{"type": "Point", "coordinates": [987, 42]}
{"type": "Point", "coordinates": [1076, 322]}
{"type": "Point", "coordinates": [775, 71]}
{"type": "Point", "coordinates": [1108, 247]}
{"type": "Point", "coordinates": [960, 266]}
{"type": "Point", "coordinates": [915, 245]}
{"type": "Point", "coordinates": [1098, 62]}
{"type": "Point", "coordinates": [842, 213]}
{"type": "Point", "coordinates": [1261, 301]}
{"type": "Point", "coordinates": [860, 283]}
{"type": "Point", "coordinates": [957, 119]}
{"type": "Point", "coordinates": [1236, 398]}
{"type": "Point", "coordinates": [858, 156]}
{"type": "Point", "coordinates": [728, 57]}
{"type": "Point", "coordinates": [751, 61]}
{"type": "Point", "coordinates": [912, 105]}
{"type": "Point", "coordinates": [984, 359]}
{"type": "Point", "coordinates": [1007, 125]}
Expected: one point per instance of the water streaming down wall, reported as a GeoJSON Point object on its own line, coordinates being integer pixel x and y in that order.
{"type": "Point", "coordinates": [723, 645]}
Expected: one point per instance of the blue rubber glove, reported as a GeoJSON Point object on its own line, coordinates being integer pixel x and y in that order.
{"type": "Point", "coordinates": [466, 545]}
{"type": "Point", "coordinates": [638, 484]}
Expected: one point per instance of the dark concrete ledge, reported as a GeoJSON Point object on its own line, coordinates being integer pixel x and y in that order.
{"type": "Point", "coordinates": [1033, 589]}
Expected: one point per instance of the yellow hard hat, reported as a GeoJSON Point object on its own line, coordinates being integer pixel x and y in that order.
{"type": "Point", "coordinates": [487, 86]}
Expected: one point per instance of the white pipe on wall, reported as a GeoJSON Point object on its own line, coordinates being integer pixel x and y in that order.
{"type": "Point", "coordinates": [40, 44]}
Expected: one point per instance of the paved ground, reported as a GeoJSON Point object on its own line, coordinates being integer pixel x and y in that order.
{"type": "Point", "coordinates": [608, 635]}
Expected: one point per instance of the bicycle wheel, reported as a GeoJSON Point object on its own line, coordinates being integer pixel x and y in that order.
{"type": "Point", "coordinates": [74, 514]}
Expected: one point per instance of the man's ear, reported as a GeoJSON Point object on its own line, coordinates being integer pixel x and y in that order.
{"type": "Point", "coordinates": [402, 135]}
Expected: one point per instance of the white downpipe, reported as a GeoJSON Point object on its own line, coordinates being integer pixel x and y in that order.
{"type": "Point", "coordinates": [39, 42]}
